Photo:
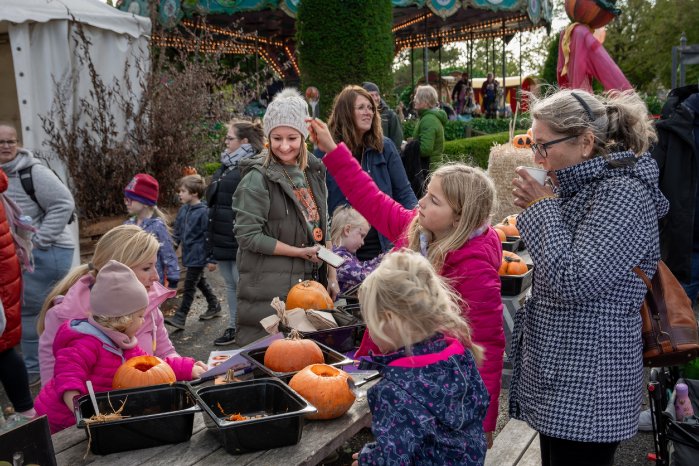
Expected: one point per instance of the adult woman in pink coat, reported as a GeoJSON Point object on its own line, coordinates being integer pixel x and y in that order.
{"type": "Point", "coordinates": [451, 227]}
{"type": "Point", "coordinates": [70, 298]}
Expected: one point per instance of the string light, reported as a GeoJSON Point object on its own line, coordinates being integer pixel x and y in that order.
{"type": "Point", "coordinates": [410, 22]}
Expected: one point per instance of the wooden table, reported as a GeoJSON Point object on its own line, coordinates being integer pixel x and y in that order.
{"type": "Point", "coordinates": [319, 439]}
{"type": "Point", "coordinates": [516, 445]}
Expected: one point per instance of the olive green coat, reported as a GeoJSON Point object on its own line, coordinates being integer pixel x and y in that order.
{"type": "Point", "coordinates": [267, 211]}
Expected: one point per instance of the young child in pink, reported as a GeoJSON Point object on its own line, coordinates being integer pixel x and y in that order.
{"type": "Point", "coordinates": [347, 234]}
{"type": "Point", "coordinates": [94, 348]}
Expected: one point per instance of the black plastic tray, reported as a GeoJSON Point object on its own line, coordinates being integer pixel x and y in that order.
{"type": "Point", "coordinates": [257, 358]}
{"type": "Point", "coordinates": [512, 285]}
{"type": "Point", "coordinates": [341, 339]}
{"type": "Point", "coordinates": [281, 408]}
{"type": "Point", "coordinates": [158, 415]}
{"type": "Point", "coordinates": [512, 244]}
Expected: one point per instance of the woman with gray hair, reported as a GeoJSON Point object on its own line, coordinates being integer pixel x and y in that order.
{"type": "Point", "coordinates": [429, 131]}
{"type": "Point", "coordinates": [578, 367]}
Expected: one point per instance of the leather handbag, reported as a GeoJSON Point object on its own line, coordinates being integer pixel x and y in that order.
{"type": "Point", "coordinates": [669, 326]}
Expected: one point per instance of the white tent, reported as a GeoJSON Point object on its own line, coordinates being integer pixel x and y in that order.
{"type": "Point", "coordinates": [37, 47]}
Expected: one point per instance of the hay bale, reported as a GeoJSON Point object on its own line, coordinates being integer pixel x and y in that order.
{"type": "Point", "coordinates": [503, 160]}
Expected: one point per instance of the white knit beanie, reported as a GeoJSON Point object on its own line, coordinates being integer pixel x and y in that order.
{"type": "Point", "coordinates": [287, 109]}
{"type": "Point", "coordinates": [117, 291]}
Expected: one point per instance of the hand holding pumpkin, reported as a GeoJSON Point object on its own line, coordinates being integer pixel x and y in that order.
{"type": "Point", "coordinates": [527, 189]}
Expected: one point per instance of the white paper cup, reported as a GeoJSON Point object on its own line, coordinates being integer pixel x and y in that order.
{"type": "Point", "coordinates": [539, 174]}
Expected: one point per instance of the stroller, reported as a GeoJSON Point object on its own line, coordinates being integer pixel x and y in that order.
{"type": "Point", "coordinates": [676, 443]}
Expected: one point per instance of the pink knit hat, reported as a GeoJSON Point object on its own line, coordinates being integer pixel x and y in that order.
{"type": "Point", "coordinates": [117, 291]}
{"type": "Point", "coordinates": [143, 188]}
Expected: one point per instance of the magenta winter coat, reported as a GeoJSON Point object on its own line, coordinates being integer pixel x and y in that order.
{"type": "Point", "coordinates": [152, 336]}
{"type": "Point", "coordinates": [81, 357]}
{"type": "Point", "coordinates": [472, 270]}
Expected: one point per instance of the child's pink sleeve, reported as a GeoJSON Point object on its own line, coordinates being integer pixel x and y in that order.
{"type": "Point", "coordinates": [182, 367]}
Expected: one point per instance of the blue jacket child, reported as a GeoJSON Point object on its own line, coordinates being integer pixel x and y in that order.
{"type": "Point", "coordinates": [191, 227]}
{"type": "Point", "coordinates": [429, 408]}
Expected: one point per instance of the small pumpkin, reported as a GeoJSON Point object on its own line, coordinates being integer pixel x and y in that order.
{"type": "Point", "coordinates": [510, 220]}
{"type": "Point", "coordinates": [326, 388]}
{"type": "Point", "coordinates": [522, 141]}
{"type": "Point", "coordinates": [309, 294]}
{"type": "Point", "coordinates": [142, 371]}
{"type": "Point", "coordinates": [292, 353]}
{"type": "Point", "coordinates": [501, 235]}
{"type": "Point", "coordinates": [512, 264]}
{"type": "Point", "coordinates": [509, 230]}
{"type": "Point", "coordinates": [594, 13]}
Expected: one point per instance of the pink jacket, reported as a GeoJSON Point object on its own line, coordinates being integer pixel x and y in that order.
{"type": "Point", "coordinates": [472, 270]}
{"type": "Point", "coordinates": [81, 357]}
{"type": "Point", "coordinates": [152, 337]}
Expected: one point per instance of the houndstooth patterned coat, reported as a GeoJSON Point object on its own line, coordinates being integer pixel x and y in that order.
{"type": "Point", "coordinates": [578, 368]}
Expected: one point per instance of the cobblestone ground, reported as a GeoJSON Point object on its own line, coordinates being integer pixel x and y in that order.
{"type": "Point", "coordinates": [197, 341]}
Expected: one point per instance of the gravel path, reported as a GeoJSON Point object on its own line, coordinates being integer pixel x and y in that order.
{"type": "Point", "coordinates": [197, 341]}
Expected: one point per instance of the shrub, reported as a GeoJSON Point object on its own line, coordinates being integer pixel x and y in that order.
{"type": "Point", "coordinates": [342, 43]}
{"type": "Point", "coordinates": [473, 151]}
{"type": "Point", "coordinates": [456, 129]}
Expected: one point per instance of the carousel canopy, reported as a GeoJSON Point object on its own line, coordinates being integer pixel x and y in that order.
{"type": "Point", "coordinates": [268, 27]}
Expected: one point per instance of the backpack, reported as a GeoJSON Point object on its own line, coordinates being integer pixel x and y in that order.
{"type": "Point", "coordinates": [25, 177]}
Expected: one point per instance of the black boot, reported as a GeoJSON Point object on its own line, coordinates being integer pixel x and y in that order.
{"type": "Point", "coordinates": [178, 320]}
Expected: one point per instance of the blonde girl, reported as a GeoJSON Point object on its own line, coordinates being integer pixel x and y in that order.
{"type": "Point", "coordinates": [93, 348]}
{"type": "Point", "coordinates": [141, 198]}
{"type": "Point", "coordinates": [281, 217]}
{"type": "Point", "coordinates": [70, 298]}
{"type": "Point", "coordinates": [347, 233]}
{"type": "Point", "coordinates": [451, 228]}
{"type": "Point", "coordinates": [430, 404]}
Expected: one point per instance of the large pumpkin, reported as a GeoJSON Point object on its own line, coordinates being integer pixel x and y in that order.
{"type": "Point", "coordinates": [142, 371]}
{"type": "Point", "coordinates": [292, 353]}
{"type": "Point", "coordinates": [594, 13]}
{"type": "Point", "coordinates": [309, 294]}
{"type": "Point", "coordinates": [325, 387]}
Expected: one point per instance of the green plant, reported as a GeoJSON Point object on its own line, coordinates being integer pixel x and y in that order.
{"type": "Point", "coordinates": [473, 151]}
{"type": "Point", "coordinates": [654, 104]}
{"type": "Point", "coordinates": [342, 43]}
{"type": "Point", "coordinates": [209, 168]}
{"type": "Point", "coordinates": [548, 72]}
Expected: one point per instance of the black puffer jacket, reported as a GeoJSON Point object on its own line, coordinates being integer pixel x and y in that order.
{"type": "Point", "coordinates": [676, 156]}
{"type": "Point", "coordinates": [221, 242]}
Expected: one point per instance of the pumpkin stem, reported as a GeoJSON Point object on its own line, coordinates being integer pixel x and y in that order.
{"type": "Point", "coordinates": [511, 259]}
{"type": "Point", "coordinates": [294, 335]}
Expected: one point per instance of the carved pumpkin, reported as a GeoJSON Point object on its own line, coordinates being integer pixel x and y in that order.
{"type": "Point", "coordinates": [522, 141]}
{"type": "Point", "coordinates": [292, 354]}
{"type": "Point", "coordinates": [309, 294]}
{"type": "Point", "coordinates": [325, 387]}
{"type": "Point", "coordinates": [591, 12]}
{"type": "Point", "coordinates": [512, 264]}
{"type": "Point", "coordinates": [142, 371]}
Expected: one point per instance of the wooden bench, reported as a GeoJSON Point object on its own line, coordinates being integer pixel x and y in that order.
{"type": "Point", "coordinates": [319, 439]}
{"type": "Point", "coordinates": [517, 444]}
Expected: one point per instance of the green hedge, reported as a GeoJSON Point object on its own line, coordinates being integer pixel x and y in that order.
{"type": "Point", "coordinates": [473, 151]}
{"type": "Point", "coordinates": [455, 129]}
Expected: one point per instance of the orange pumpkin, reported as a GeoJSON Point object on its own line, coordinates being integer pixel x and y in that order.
{"type": "Point", "coordinates": [589, 12]}
{"type": "Point", "coordinates": [325, 387]}
{"type": "Point", "coordinates": [501, 234]}
{"type": "Point", "coordinates": [510, 220]}
{"type": "Point", "coordinates": [293, 353]}
{"type": "Point", "coordinates": [522, 141]}
{"type": "Point", "coordinates": [309, 294]}
{"type": "Point", "coordinates": [142, 371]}
{"type": "Point", "coordinates": [509, 230]}
{"type": "Point", "coordinates": [512, 264]}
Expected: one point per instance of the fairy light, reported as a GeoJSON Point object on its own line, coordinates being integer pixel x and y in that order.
{"type": "Point", "coordinates": [227, 32]}
{"type": "Point", "coordinates": [292, 59]}
{"type": "Point", "coordinates": [412, 21]}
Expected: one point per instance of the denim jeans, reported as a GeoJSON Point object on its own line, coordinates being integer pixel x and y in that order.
{"type": "Point", "coordinates": [692, 288]}
{"type": "Point", "coordinates": [229, 271]}
{"type": "Point", "coordinates": [50, 266]}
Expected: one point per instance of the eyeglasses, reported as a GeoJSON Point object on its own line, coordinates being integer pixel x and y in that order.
{"type": "Point", "coordinates": [230, 138]}
{"type": "Point", "coordinates": [362, 108]}
{"type": "Point", "coordinates": [8, 142]}
{"type": "Point", "coordinates": [541, 149]}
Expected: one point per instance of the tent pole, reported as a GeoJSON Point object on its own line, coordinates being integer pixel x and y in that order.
{"type": "Point", "coordinates": [424, 54]}
{"type": "Point", "coordinates": [439, 75]}
{"type": "Point", "coordinates": [504, 72]}
{"type": "Point", "coordinates": [412, 66]}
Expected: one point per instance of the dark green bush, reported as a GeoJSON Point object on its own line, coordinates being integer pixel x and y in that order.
{"type": "Point", "coordinates": [341, 42]}
{"type": "Point", "coordinates": [473, 151]}
{"type": "Point", "coordinates": [209, 168]}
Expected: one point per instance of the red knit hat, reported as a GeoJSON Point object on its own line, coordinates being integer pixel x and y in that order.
{"type": "Point", "coordinates": [142, 188]}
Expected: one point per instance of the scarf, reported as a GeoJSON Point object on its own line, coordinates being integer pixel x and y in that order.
{"type": "Point", "coordinates": [231, 160]}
